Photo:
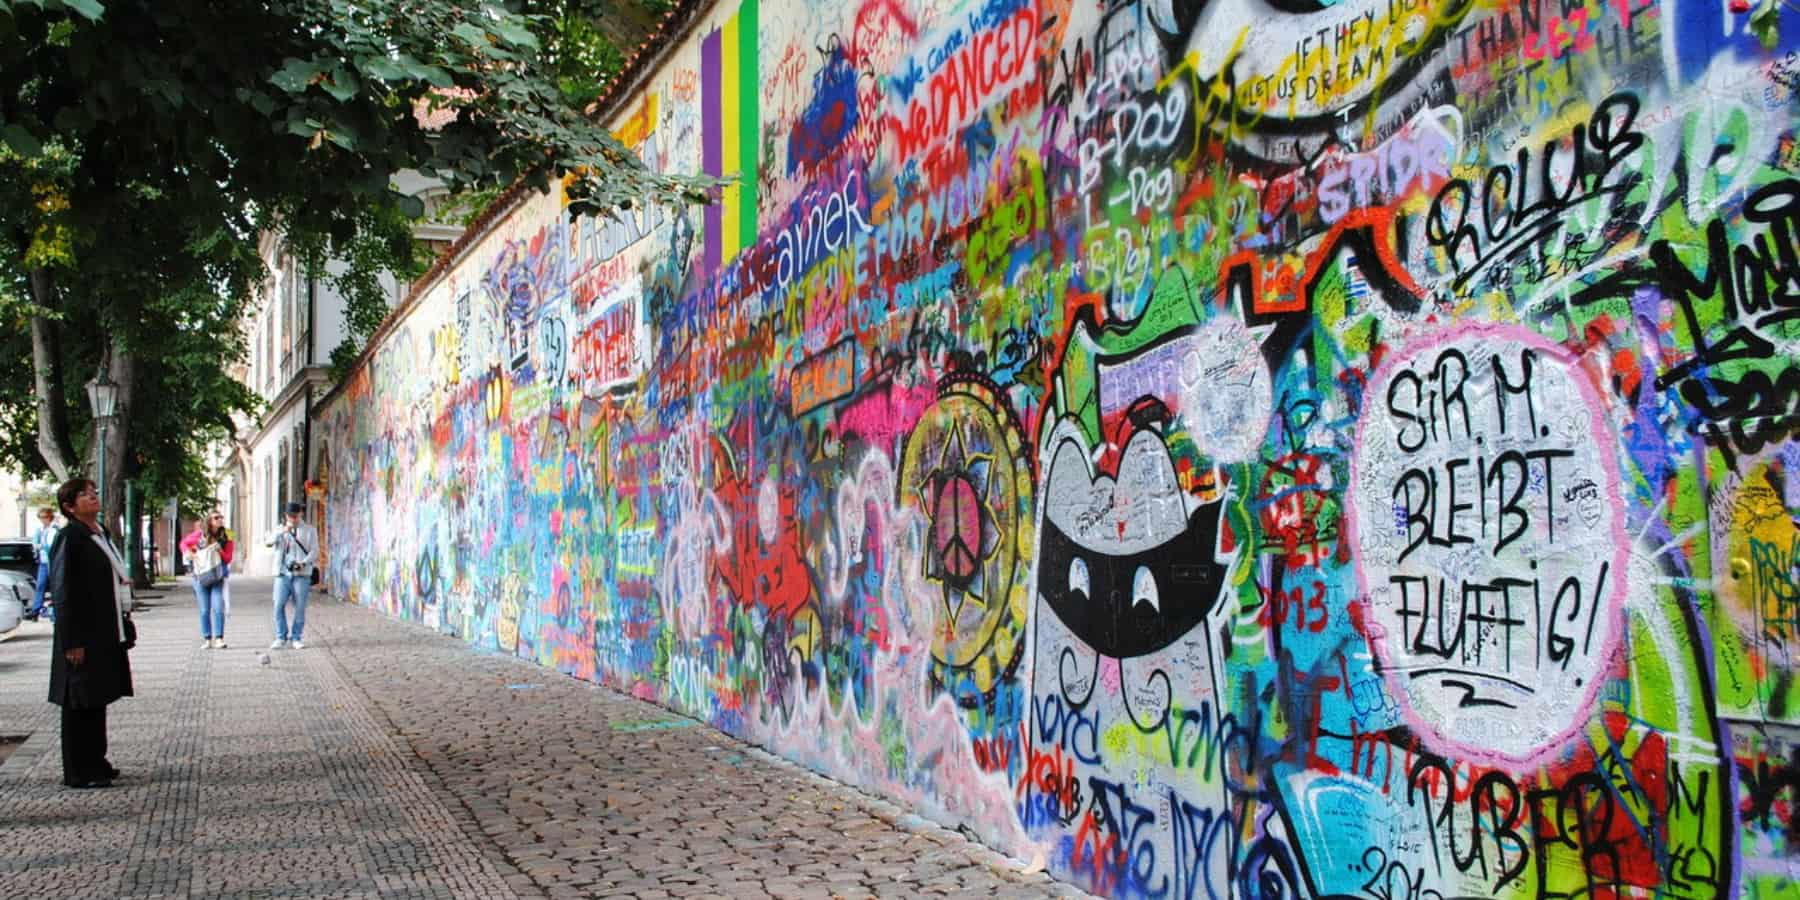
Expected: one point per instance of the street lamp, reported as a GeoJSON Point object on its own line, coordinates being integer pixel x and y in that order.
{"type": "Point", "coordinates": [103, 398]}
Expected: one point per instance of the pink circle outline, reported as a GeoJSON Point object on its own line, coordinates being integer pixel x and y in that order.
{"type": "Point", "coordinates": [1610, 468]}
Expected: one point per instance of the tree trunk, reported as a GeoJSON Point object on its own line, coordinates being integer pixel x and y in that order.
{"type": "Point", "coordinates": [46, 357]}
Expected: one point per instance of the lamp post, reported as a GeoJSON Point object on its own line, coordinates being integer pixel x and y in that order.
{"type": "Point", "coordinates": [103, 398]}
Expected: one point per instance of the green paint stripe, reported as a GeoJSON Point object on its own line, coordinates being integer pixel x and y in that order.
{"type": "Point", "coordinates": [749, 120]}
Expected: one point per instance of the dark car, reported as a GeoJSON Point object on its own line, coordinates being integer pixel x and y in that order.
{"type": "Point", "coordinates": [18, 555]}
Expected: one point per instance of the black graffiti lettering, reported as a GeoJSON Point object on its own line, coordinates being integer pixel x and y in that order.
{"type": "Point", "coordinates": [1548, 457]}
{"type": "Point", "coordinates": [1485, 621]}
{"type": "Point", "coordinates": [1471, 613]}
{"type": "Point", "coordinates": [1685, 799]}
{"type": "Point", "coordinates": [1746, 414]}
{"type": "Point", "coordinates": [1505, 389]}
{"type": "Point", "coordinates": [1561, 647]}
{"type": "Point", "coordinates": [1742, 408]}
{"type": "Point", "coordinates": [1444, 401]}
{"type": "Point", "coordinates": [1467, 620]}
{"type": "Point", "coordinates": [1518, 208]}
{"type": "Point", "coordinates": [1422, 612]}
{"type": "Point", "coordinates": [1509, 506]}
{"type": "Point", "coordinates": [1430, 507]}
{"type": "Point", "coordinates": [1410, 379]}
{"type": "Point", "coordinates": [1393, 880]}
{"type": "Point", "coordinates": [1453, 391]}
{"type": "Point", "coordinates": [1581, 821]}
{"type": "Point", "coordinates": [1495, 810]}
{"type": "Point", "coordinates": [1420, 513]}
{"type": "Point", "coordinates": [1451, 536]}
{"type": "Point", "coordinates": [1558, 646]}
{"type": "Point", "coordinates": [1447, 225]}
{"type": "Point", "coordinates": [1497, 796]}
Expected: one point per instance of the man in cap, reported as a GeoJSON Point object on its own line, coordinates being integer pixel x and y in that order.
{"type": "Point", "coordinates": [296, 551]}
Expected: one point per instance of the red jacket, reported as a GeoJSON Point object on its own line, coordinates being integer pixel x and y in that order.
{"type": "Point", "coordinates": [192, 542]}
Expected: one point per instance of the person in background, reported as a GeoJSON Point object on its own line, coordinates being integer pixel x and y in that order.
{"type": "Point", "coordinates": [296, 550]}
{"type": "Point", "coordinates": [89, 664]}
{"type": "Point", "coordinates": [209, 548]}
{"type": "Point", "coordinates": [41, 542]}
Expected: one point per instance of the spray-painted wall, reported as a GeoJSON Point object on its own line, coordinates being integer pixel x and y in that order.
{"type": "Point", "coordinates": [1220, 447]}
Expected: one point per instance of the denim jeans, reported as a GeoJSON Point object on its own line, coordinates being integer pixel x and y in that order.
{"type": "Point", "coordinates": [211, 601]}
{"type": "Point", "coordinates": [296, 588]}
{"type": "Point", "coordinates": [43, 576]}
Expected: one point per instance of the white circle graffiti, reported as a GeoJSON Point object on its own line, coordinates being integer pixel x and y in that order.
{"type": "Point", "coordinates": [1490, 538]}
{"type": "Point", "coordinates": [1225, 391]}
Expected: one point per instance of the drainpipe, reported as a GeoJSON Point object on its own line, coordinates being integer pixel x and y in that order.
{"type": "Point", "coordinates": [312, 299]}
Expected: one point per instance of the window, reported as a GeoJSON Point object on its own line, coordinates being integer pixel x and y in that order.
{"type": "Point", "coordinates": [268, 353]}
{"type": "Point", "coordinates": [281, 493]}
{"type": "Point", "coordinates": [291, 325]}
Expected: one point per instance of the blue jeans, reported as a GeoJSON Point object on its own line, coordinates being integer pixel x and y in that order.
{"type": "Point", "coordinates": [211, 601]}
{"type": "Point", "coordinates": [37, 602]}
{"type": "Point", "coordinates": [296, 588]}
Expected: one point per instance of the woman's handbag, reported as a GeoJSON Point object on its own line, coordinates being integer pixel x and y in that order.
{"type": "Point", "coordinates": [209, 567]}
{"type": "Point", "coordinates": [210, 578]}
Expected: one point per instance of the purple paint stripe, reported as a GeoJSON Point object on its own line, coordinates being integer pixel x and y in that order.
{"type": "Point", "coordinates": [712, 126]}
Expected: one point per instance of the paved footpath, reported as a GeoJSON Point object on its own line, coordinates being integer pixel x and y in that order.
{"type": "Point", "coordinates": [385, 760]}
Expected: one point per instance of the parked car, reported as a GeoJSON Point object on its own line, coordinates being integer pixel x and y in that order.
{"type": "Point", "coordinates": [16, 593]}
{"type": "Point", "coordinates": [18, 555]}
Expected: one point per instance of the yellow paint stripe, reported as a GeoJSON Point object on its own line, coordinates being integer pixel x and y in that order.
{"type": "Point", "coordinates": [729, 73]}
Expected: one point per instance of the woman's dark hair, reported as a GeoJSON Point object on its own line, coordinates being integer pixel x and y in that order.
{"type": "Point", "coordinates": [216, 535]}
{"type": "Point", "coordinates": [65, 495]}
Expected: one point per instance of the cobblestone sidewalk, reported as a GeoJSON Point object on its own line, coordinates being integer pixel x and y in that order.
{"type": "Point", "coordinates": [387, 761]}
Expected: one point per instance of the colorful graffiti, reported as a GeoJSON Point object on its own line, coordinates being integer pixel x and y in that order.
{"type": "Point", "coordinates": [1226, 448]}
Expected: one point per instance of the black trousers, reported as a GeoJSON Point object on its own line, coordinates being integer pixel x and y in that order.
{"type": "Point", "coordinates": [83, 744]}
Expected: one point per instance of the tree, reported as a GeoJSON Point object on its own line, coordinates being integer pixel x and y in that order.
{"type": "Point", "coordinates": [157, 310]}
{"type": "Point", "coordinates": [172, 130]}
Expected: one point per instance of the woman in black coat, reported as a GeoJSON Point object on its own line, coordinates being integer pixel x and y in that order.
{"type": "Point", "coordinates": [88, 664]}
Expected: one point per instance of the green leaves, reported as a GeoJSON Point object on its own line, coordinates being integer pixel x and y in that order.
{"type": "Point", "coordinates": [514, 32]}
{"type": "Point", "coordinates": [342, 84]}
{"type": "Point", "coordinates": [20, 139]}
{"type": "Point", "coordinates": [91, 10]}
{"type": "Point", "coordinates": [471, 34]}
{"type": "Point", "coordinates": [387, 69]}
{"type": "Point", "coordinates": [295, 75]}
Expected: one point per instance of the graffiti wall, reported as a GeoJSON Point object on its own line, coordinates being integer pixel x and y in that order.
{"type": "Point", "coordinates": [1254, 448]}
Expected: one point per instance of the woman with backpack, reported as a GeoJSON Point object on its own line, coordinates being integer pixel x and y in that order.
{"type": "Point", "coordinates": [208, 549]}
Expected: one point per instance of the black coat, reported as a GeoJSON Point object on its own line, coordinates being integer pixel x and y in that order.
{"type": "Point", "coordinates": [81, 585]}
